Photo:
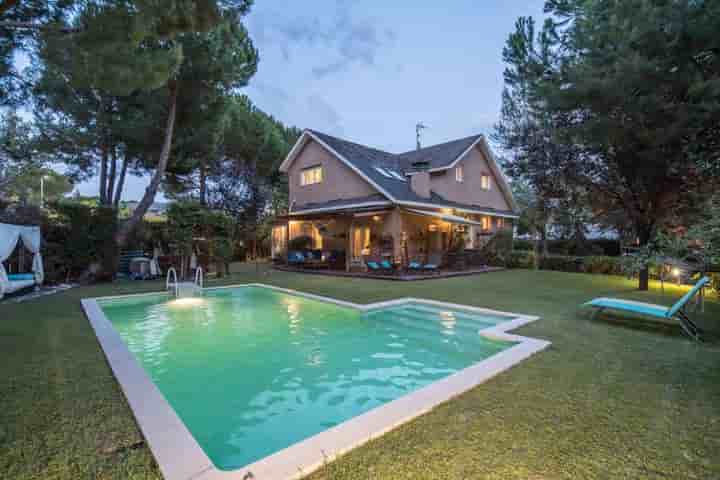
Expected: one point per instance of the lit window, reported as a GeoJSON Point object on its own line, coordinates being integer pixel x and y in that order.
{"type": "Point", "coordinates": [485, 182]}
{"type": "Point", "coordinates": [500, 222]}
{"type": "Point", "coordinates": [459, 174]}
{"type": "Point", "coordinates": [486, 223]}
{"type": "Point", "coordinates": [311, 175]}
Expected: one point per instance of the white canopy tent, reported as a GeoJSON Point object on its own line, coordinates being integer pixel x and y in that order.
{"type": "Point", "coordinates": [10, 235]}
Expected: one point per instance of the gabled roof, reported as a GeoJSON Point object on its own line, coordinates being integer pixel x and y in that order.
{"type": "Point", "coordinates": [439, 156]}
{"type": "Point", "coordinates": [363, 161]}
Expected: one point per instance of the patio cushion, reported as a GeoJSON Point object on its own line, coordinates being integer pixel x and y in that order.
{"type": "Point", "coordinates": [296, 257]}
{"type": "Point", "coordinates": [21, 276]}
{"type": "Point", "coordinates": [630, 306]}
{"type": "Point", "coordinates": [414, 265]}
{"type": "Point", "coordinates": [373, 265]}
{"type": "Point", "coordinates": [386, 264]}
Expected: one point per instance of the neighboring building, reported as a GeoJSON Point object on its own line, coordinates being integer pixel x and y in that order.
{"type": "Point", "coordinates": [366, 202]}
{"type": "Point", "coordinates": [156, 211]}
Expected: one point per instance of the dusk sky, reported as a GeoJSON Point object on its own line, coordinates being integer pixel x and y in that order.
{"type": "Point", "coordinates": [369, 71]}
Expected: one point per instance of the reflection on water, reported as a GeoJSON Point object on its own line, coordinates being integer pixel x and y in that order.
{"type": "Point", "coordinates": [251, 371]}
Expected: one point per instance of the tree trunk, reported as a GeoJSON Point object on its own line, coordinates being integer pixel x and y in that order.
{"type": "Point", "coordinates": [111, 176]}
{"type": "Point", "coordinates": [123, 233]}
{"type": "Point", "coordinates": [203, 183]}
{"type": "Point", "coordinates": [121, 182]}
{"type": "Point", "coordinates": [103, 175]}
{"type": "Point", "coordinates": [644, 235]}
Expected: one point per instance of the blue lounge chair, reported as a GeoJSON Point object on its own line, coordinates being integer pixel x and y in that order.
{"type": "Point", "coordinates": [434, 261]}
{"type": "Point", "coordinates": [387, 266]}
{"type": "Point", "coordinates": [676, 312]}
{"type": "Point", "coordinates": [296, 258]}
{"type": "Point", "coordinates": [373, 266]}
{"type": "Point", "coordinates": [414, 265]}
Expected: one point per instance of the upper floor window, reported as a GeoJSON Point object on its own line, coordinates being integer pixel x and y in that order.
{"type": "Point", "coordinates": [485, 182]}
{"type": "Point", "coordinates": [486, 223]}
{"type": "Point", "coordinates": [459, 174]}
{"type": "Point", "coordinates": [309, 176]}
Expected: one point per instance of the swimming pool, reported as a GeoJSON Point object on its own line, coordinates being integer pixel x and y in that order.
{"type": "Point", "coordinates": [253, 371]}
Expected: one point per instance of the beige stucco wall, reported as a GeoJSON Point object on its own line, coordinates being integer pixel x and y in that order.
{"type": "Point", "coordinates": [339, 181]}
{"type": "Point", "coordinates": [474, 166]}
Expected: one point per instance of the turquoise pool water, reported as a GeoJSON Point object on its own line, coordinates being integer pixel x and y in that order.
{"type": "Point", "coordinates": [251, 371]}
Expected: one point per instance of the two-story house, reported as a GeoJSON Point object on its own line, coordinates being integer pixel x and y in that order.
{"type": "Point", "coordinates": [361, 201]}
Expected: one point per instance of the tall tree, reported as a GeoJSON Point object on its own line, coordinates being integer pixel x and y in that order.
{"type": "Point", "coordinates": [541, 167]}
{"type": "Point", "coordinates": [126, 51]}
{"type": "Point", "coordinates": [623, 99]}
{"type": "Point", "coordinates": [20, 23]}
{"type": "Point", "coordinates": [640, 85]}
{"type": "Point", "coordinates": [245, 182]}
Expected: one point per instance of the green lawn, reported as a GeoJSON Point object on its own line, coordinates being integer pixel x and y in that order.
{"type": "Point", "coordinates": [606, 400]}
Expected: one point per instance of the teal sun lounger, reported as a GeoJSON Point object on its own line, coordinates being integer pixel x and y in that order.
{"type": "Point", "coordinates": [676, 312]}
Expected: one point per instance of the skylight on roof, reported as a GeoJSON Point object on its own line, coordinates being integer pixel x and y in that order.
{"type": "Point", "coordinates": [389, 173]}
{"type": "Point", "coordinates": [397, 175]}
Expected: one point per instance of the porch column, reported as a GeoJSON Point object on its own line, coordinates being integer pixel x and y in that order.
{"type": "Point", "coordinates": [348, 250]}
{"type": "Point", "coordinates": [287, 240]}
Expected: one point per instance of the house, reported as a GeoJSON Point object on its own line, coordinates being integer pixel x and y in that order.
{"type": "Point", "coordinates": [356, 201]}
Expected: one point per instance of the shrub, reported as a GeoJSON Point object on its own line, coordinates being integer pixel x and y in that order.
{"type": "Point", "coordinates": [496, 251]}
{"type": "Point", "coordinates": [562, 263]}
{"type": "Point", "coordinates": [523, 245]}
{"type": "Point", "coordinates": [603, 265]}
{"type": "Point", "coordinates": [520, 259]}
{"type": "Point", "coordinates": [715, 282]}
{"type": "Point", "coordinates": [303, 242]}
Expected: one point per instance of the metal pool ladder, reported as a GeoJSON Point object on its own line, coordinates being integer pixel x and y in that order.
{"type": "Point", "coordinates": [184, 289]}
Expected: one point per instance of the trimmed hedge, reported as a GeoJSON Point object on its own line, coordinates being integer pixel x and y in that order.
{"type": "Point", "coordinates": [598, 247]}
{"type": "Point", "coordinates": [564, 263]}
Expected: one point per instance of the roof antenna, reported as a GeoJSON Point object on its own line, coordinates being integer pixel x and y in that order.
{"type": "Point", "coordinates": [419, 127]}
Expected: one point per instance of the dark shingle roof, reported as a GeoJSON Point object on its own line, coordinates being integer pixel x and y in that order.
{"type": "Point", "coordinates": [439, 155]}
{"type": "Point", "coordinates": [377, 197]}
{"type": "Point", "coordinates": [365, 159]}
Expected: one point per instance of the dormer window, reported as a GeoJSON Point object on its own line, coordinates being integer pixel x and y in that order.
{"type": "Point", "coordinates": [311, 175]}
{"type": "Point", "coordinates": [459, 174]}
{"type": "Point", "coordinates": [485, 182]}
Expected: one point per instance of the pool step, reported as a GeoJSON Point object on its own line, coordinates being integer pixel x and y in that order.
{"type": "Point", "coordinates": [419, 321]}
{"type": "Point", "coordinates": [437, 316]}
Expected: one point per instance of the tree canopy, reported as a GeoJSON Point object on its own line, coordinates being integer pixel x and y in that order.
{"type": "Point", "coordinates": [619, 100]}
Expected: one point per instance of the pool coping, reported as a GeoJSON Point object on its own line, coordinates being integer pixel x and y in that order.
{"type": "Point", "coordinates": [179, 455]}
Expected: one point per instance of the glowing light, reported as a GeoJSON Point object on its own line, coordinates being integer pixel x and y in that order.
{"type": "Point", "coordinates": [676, 272]}
{"type": "Point", "coordinates": [376, 218]}
{"type": "Point", "coordinates": [186, 302]}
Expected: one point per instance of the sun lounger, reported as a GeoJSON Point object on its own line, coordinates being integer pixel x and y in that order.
{"type": "Point", "coordinates": [676, 312]}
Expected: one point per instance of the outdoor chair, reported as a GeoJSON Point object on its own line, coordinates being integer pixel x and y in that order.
{"type": "Point", "coordinates": [387, 266]}
{"type": "Point", "coordinates": [377, 267]}
{"type": "Point", "coordinates": [296, 258]}
{"type": "Point", "coordinates": [676, 312]}
{"type": "Point", "coordinates": [414, 265]}
{"type": "Point", "coordinates": [433, 264]}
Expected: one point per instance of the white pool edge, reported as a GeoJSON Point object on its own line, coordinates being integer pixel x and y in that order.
{"type": "Point", "coordinates": [180, 457]}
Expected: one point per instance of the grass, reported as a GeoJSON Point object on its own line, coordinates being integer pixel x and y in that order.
{"type": "Point", "coordinates": [608, 399]}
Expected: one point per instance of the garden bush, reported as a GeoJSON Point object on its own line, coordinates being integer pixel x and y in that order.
{"type": "Point", "coordinates": [303, 242]}
{"type": "Point", "coordinates": [603, 265]}
{"type": "Point", "coordinates": [523, 245]}
{"type": "Point", "coordinates": [562, 263]}
{"type": "Point", "coordinates": [520, 259]}
{"type": "Point", "coordinates": [566, 263]}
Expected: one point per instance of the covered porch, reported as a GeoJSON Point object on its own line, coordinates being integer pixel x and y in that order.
{"type": "Point", "coordinates": [347, 240]}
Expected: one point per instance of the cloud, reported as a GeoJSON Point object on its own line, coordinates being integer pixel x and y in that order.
{"type": "Point", "coordinates": [353, 40]}
{"type": "Point", "coordinates": [323, 116]}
